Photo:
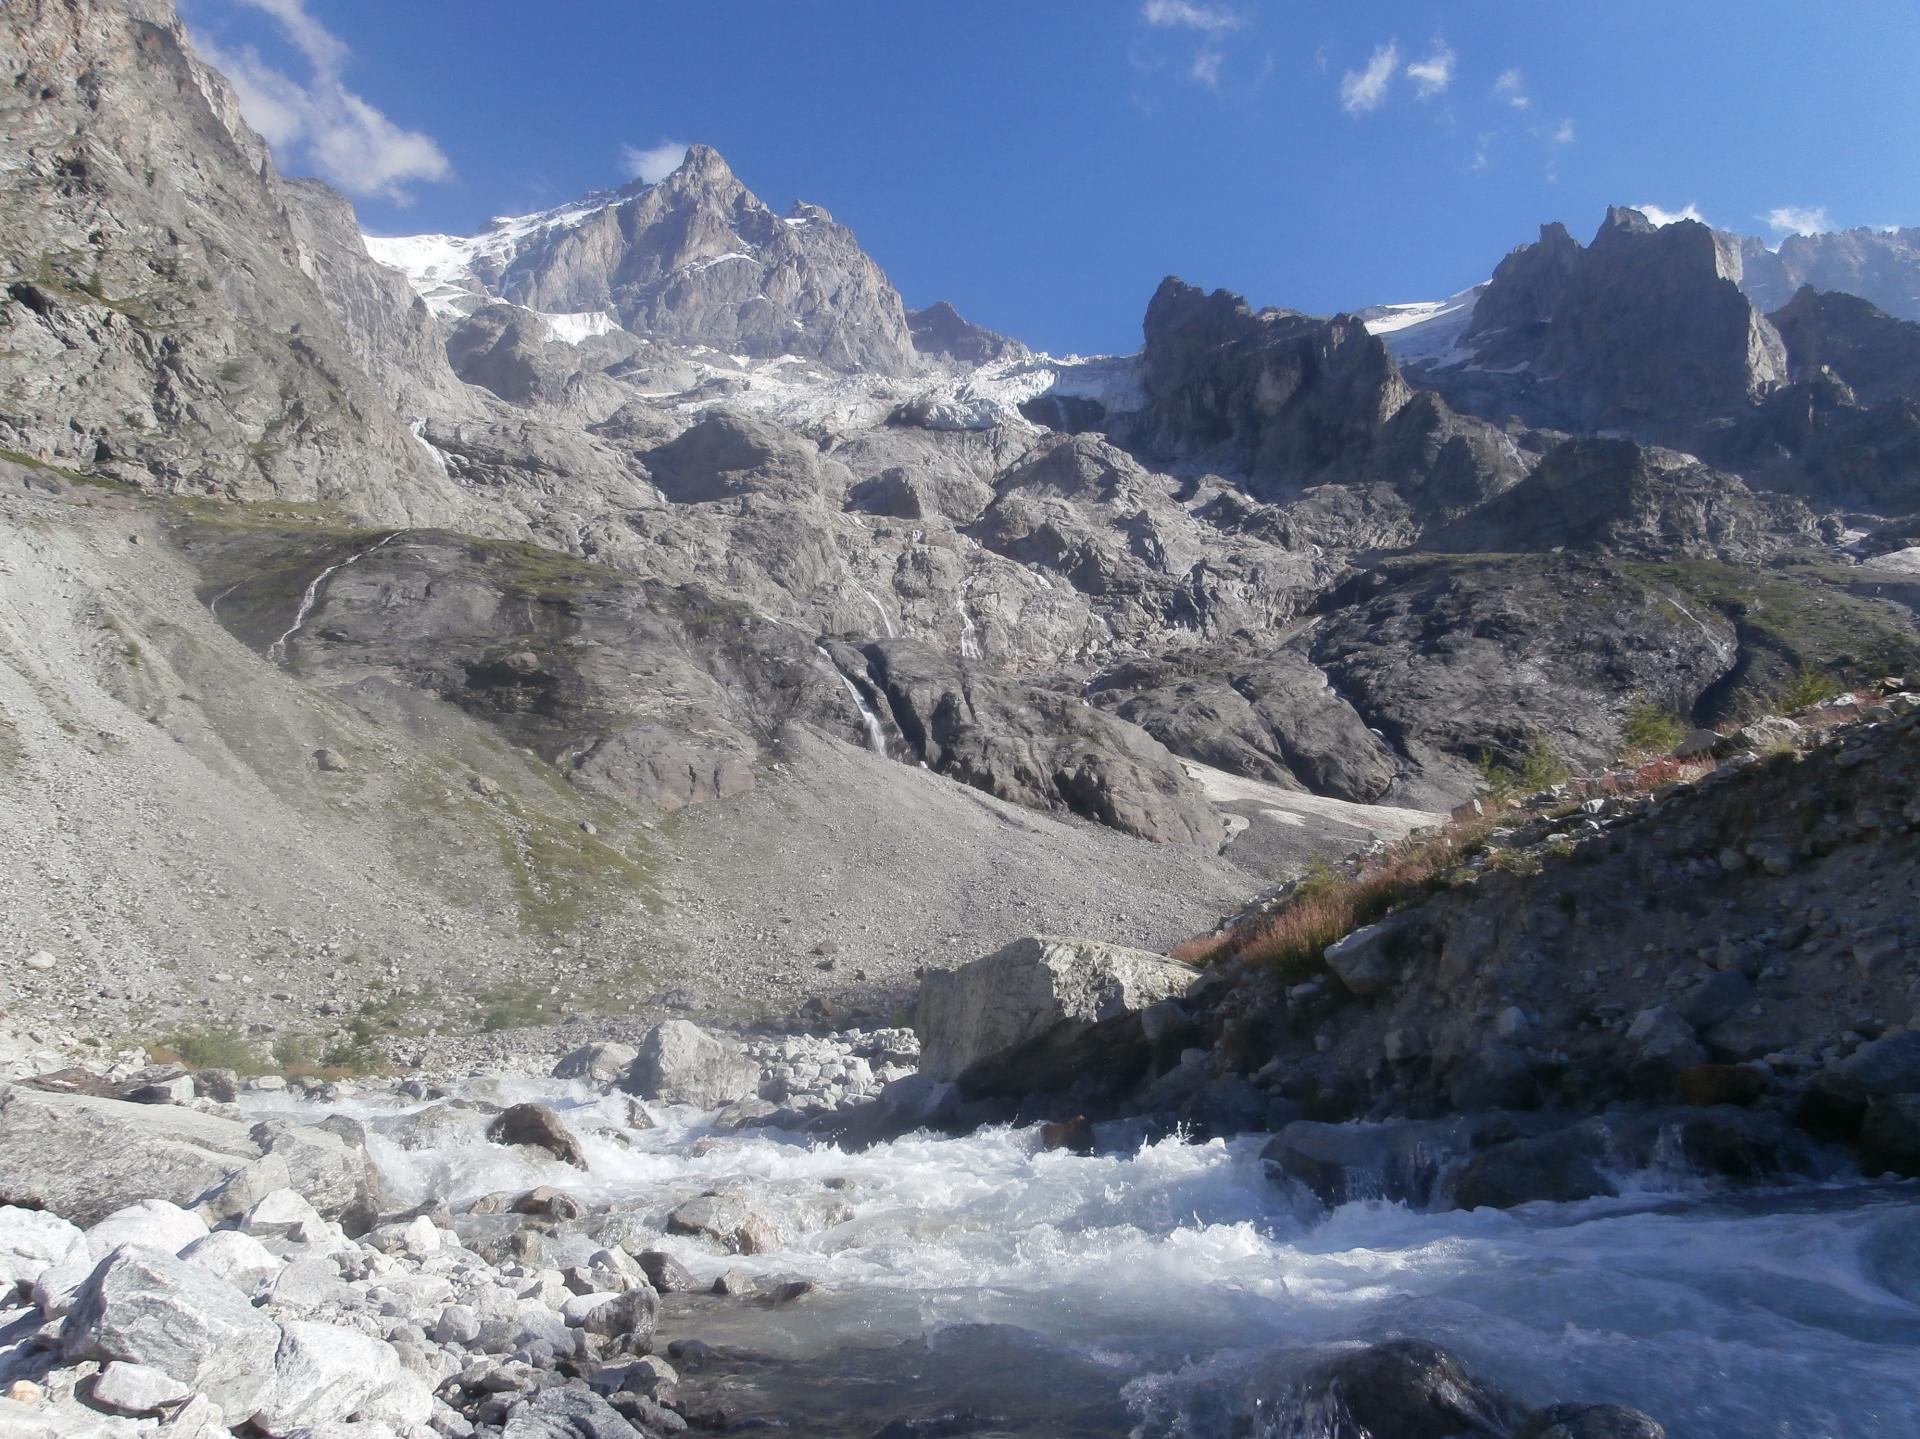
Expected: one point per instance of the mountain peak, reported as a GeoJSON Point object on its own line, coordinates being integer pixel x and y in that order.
{"type": "Point", "coordinates": [704, 163]}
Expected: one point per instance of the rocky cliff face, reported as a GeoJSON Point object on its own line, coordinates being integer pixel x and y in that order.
{"type": "Point", "coordinates": [165, 291]}
{"type": "Point", "coordinates": [1643, 328]}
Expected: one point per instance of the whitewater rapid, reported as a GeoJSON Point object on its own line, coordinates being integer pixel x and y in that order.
{"type": "Point", "coordinates": [1161, 1280]}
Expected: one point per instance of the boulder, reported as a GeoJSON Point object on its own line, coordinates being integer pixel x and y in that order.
{"type": "Point", "coordinates": [322, 1372]}
{"type": "Point", "coordinates": [566, 1412]}
{"type": "Point", "coordinates": [1411, 1390]}
{"type": "Point", "coordinates": [1562, 1166]}
{"type": "Point", "coordinates": [1887, 1065]}
{"type": "Point", "coordinates": [136, 1389]}
{"type": "Point", "coordinates": [628, 1317]}
{"type": "Point", "coordinates": [1890, 1135]}
{"type": "Point", "coordinates": [681, 1063]}
{"type": "Point", "coordinates": [84, 1157]}
{"type": "Point", "coordinates": [1041, 1013]}
{"type": "Point", "coordinates": [667, 1274]}
{"type": "Point", "coordinates": [239, 1259]}
{"type": "Point", "coordinates": [727, 1221]}
{"type": "Point", "coordinates": [151, 1309]}
{"type": "Point", "coordinates": [33, 1241]}
{"type": "Point", "coordinates": [328, 1164]}
{"type": "Point", "coordinates": [538, 1126]}
{"type": "Point", "coordinates": [1398, 1161]}
{"type": "Point", "coordinates": [1590, 1421]}
{"type": "Point", "coordinates": [148, 1223]}
{"type": "Point", "coordinates": [597, 1063]}
{"type": "Point", "coordinates": [1365, 961]}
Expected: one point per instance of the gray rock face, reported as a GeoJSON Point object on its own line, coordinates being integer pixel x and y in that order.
{"type": "Point", "coordinates": [1643, 328]}
{"type": "Point", "coordinates": [699, 260]}
{"type": "Point", "coordinates": [565, 1412]}
{"type": "Point", "coordinates": [1874, 354]}
{"type": "Point", "coordinates": [538, 1126]}
{"type": "Point", "coordinates": [681, 1063]}
{"type": "Point", "coordinates": [151, 1309]}
{"type": "Point", "coordinates": [1040, 1012]}
{"type": "Point", "coordinates": [601, 1063]}
{"type": "Point", "coordinates": [1881, 266]}
{"type": "Point", "coordinates": [1614, 496]}
{"type": "Point", "coordinates": [1036, 748]}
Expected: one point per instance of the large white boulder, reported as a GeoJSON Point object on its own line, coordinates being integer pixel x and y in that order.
{"type": "Point", "coordinates": [150, 1224]}
{"type": "Point", "coordinates": [321, 1372]}
{"type": "Point", "coordinates": [1041, 1011]}
{"type": "Point", "coordinates": [681, 1063]}
{"type": "Point", "coordinates": [33, 1241]}
{"type": "Point", "coordinates": [150, 1308]}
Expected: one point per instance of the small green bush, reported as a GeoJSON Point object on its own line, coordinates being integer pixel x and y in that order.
{"type": "Point", "coordinates": [213, 1049]}
{"type": "Point", "coordinates": [1809, 687]}
{"type": "Point", "coordinates": [1647, 730]}
{"type": "Point", "coordinates": [294, 1051]}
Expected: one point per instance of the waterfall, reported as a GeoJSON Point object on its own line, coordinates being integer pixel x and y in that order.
{"type": "Point", "coordinates": [869, 721]}
{"type": "Point", "coordinates": [886, 620]}
{"type": "Point", "coordinates": [969, 632]}
{"type": "Point", "coordinates": [277, 651]}
{"type": "Point", "coordinates": [418, 429]}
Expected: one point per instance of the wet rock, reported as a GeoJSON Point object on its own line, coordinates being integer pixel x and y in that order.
{"type": "Point", "coordinates": [1562, 1167]}
{"type": "Point", "coordinates": [667, 1274]}
{"type": "Point", "coordinates": [681, 1063]}
{"type": "Point", "coordinates": [1411, 1390]}
{"type": "Point", "coordinates": [539, 1127]}
{"type": "Point", "coordinates": [1400, 1161]}
{"type": "Point", "coordinates": [1590, 1421]}
{"type": "Point", "coordinates": [547, 1203]}
{"type": "Point", "coordinates": [629, 1318]}
{"type": "Point", "coordinates": [1042, 1012]}
{"type": "Point", "coordinates": [1890, 1135]}
{"type": "Point", "coordinates": [148, 1308]}
{"type": "Point", "coordinates": [726, 1220]}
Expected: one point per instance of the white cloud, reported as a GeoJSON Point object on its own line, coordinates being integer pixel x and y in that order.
{"type": "Point", "coordinates": [654, 163]}
{"type": "Point", "coordinates": [1365, 90]}
{"type": "Point", "coordinates": [349, 141]}
{"type": "Point", "coordinates": [1798, 220]}
{"type": "Point", "coordinates": [1432, 75]}
{"type": "Point", "coordinates": [1206, 67]}
{"type": "Point", "coordinates": [1660, 216]}
{"type": "Point", "coordinates": [1563, 133]}
{"type": "Point", "coordinates": [1512, 87]}
{"type": "Point", "coordinates": [1190, 15]}
{"type": "Point", "coordinates": [1483, 150]}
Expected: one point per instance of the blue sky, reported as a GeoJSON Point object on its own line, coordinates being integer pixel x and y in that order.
{"type": "Point", "coordinates": [1043, 165]}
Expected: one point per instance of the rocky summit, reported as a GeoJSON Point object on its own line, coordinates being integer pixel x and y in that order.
{"type": "Point", "coordinates": [610, 829]}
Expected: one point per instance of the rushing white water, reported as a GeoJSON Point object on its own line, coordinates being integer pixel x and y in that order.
{"type": "Point", "coordinates": [1167, 1276]}
{"type": "Point", "coordinates": [277, 651]}
{"type": "Point", "coordinates": [869, 721]}
{"type": "Point", "coordinates": [418, 429]}
{"type": "Point", "coordinates": [969, 632]}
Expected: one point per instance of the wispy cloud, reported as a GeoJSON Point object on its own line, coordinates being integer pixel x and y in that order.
{"type": "Point", "coordinates": [1191, 15]}
{"type": "Point", "coordinates": [652, 163]}
{"type": "Point", "coordinates": [1512, 88]}
{"type": "Point", "coordinates": [1798, 220]}
{"type": "Point", "coordinates": [1661, 216]}
{"type": "Point", "coordinates": [346, 139]}
{"type": "Point", "coordinates": [1206, 67]}
{"type": "Point", "coordinates": [1483, 149]}
{"type": "Point", "coordinates": [1434, 74]}
{"type": "Point", "coordinates": [1365, 90]}
{"type": "Point", "coordinates": [1562, 133]}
